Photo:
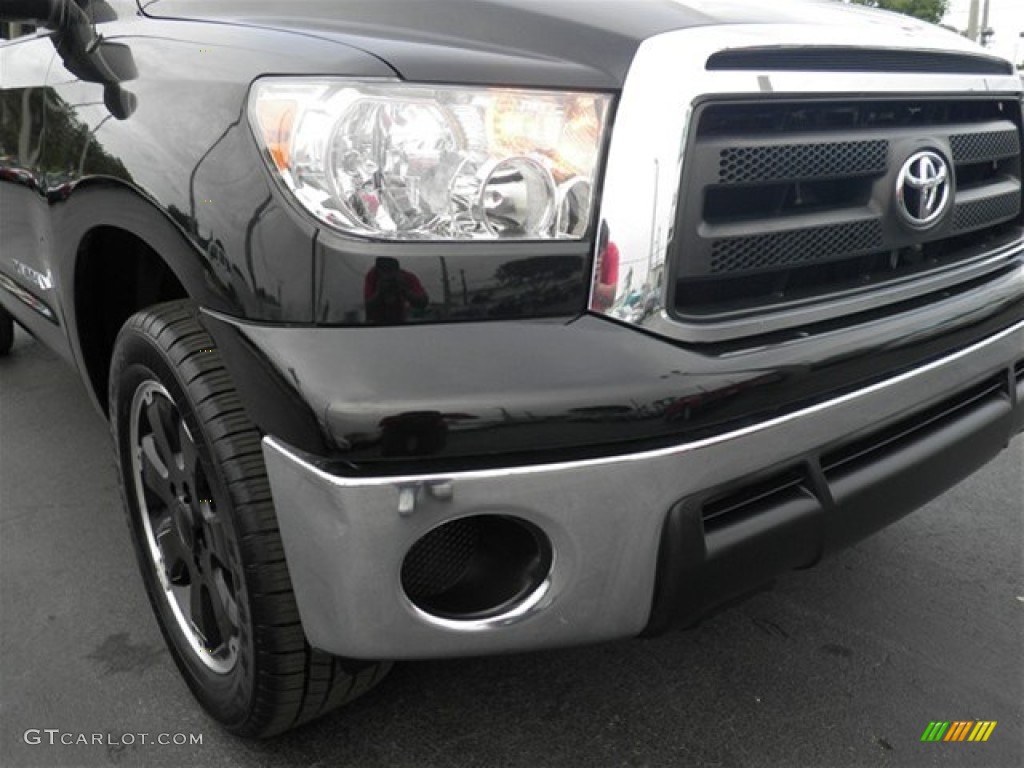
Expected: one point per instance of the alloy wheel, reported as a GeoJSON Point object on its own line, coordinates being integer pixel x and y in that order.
{"type": "Point", "coordinates": [187, 538]}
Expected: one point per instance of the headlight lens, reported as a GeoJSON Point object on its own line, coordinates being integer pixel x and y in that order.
{"type": "Point", "coordinates": [407, 162]}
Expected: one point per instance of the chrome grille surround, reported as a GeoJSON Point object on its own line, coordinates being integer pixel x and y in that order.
{"type": "Point", "coordinates": [656, 126]}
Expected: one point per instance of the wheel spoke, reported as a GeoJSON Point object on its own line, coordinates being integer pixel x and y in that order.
{"type": "Point", "coordinates": [225, 612]}
{"type": "Point", "coordinates": [197, 614]}
{"type": "Point", "coordinates": [177, 555]}
{"type": "Point", "coordinates": [157, 413]}
{"type": "Point", "coordinates": [210, 617]}
{"type": "Point", "coordinates": [189, 461]}
{"type": "Point", "coordinates": [155, 473]}
{"type": "Point", "coordinates": [214, 529]}
{"type": "Point", "coordinates": [222, 616]}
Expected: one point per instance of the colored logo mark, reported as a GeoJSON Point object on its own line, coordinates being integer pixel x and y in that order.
{"type": "Point", "coordinates": [959, 730]}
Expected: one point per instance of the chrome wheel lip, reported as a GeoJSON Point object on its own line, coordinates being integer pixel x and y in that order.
{"type": "Point", "coordinates": [177, 597]}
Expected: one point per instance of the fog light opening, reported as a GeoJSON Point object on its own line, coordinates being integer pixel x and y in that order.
{"type": "Point", "coordinates": [476, 567]}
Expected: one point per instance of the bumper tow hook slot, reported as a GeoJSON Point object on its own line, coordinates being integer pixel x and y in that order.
{"type": "Point", "coordinates": [409, 493]}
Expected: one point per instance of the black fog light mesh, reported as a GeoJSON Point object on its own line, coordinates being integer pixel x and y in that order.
{"type": "Point", "coordinates": [476, 567]}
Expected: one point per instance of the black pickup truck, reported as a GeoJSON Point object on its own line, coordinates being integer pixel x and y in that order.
{"type": "Point", "coordinates": [430, 328]}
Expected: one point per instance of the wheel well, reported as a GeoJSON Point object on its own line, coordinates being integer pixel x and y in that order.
{"type": "Point", "coordinates": [116, 275]}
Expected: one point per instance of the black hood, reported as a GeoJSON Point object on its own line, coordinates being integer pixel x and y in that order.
{"type": "Point", "coordinates": [558, 43]}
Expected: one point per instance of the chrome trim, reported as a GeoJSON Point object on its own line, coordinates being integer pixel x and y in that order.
{"type": "Point", "coordinates": [651, 131]}
{"type": "Point", "coordinates": [345, 538]}
{"type": "Point", "coordinates": [27, 298]}
{"type": "Point", "coordinates": [534, 603]}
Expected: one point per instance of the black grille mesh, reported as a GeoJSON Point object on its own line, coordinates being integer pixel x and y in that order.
{"type": "Point", "coordinates": [979, 147]}
{"type": "Point", "coordinates": [739, 165]}
{"type": "Point", "coordinates": [984, 213]}
{"type": "Point", "coordinates": [802, 246]}
{"type": "Point", "coordinates": [785, 201]}
{"type": "Point", "coordinates": [438, 560]}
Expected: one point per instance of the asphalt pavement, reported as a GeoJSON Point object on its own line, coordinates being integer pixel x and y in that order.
{"type": "Point", "coordinates": [842, 665]}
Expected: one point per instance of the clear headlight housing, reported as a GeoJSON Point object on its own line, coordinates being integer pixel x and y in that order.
{"type": "Point", "coordinates": [394, 161]}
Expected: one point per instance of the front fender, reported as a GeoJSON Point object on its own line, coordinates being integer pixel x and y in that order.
{"type": "Point", "coordinates": [177, 136]}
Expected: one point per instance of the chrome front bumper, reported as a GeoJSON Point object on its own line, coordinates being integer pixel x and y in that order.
{"type": "Point", "coordinates": [345, 538]}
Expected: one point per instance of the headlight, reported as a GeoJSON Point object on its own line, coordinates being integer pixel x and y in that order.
{"type": "Point", "coordinates": [409, 162]}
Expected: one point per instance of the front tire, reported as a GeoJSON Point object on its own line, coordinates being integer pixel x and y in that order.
{"type": "Point", "coordinates": [205, 534]}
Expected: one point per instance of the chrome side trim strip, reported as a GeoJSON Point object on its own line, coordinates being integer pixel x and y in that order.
{"type": "Point", "coordinates": [27, 298]}
{"type": "Point", "coordinates": [646, 160]}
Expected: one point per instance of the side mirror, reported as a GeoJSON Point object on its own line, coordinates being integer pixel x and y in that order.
{"type": "Point", "coordinates": [95, 60]}
{"type": "Point", "coordinates": [87, 56]}
{"type": "Point", "coordinates": [119, 102]}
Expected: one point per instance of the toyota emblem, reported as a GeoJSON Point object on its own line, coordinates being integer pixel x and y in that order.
{"type": "Point", "coordinates": [923, 188]}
